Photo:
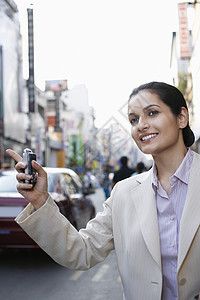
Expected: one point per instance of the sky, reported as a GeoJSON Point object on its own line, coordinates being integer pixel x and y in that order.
{"type": "Point", "coordinates": [110, 46]}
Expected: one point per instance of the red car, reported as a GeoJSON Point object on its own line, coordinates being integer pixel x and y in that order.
{"type": "Point", "coordinates": [66, 189]}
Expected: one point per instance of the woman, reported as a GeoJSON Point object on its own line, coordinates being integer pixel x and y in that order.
{"type": "Point", "coordinates": [152, 220]}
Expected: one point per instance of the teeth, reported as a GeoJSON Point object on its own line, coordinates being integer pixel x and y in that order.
{"type": "Point", "coordinates": [147, 137]}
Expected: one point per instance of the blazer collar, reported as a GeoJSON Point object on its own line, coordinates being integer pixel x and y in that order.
{"type": "Point", "coordinates": [190, 220]}
{"type": "Point", "coordinates": [145, 206]}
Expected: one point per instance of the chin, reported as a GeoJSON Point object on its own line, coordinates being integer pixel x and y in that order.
{"type": "Point", "coordinates": [146, 150]}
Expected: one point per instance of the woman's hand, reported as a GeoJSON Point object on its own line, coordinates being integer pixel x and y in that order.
{"type": "Point", "coordinates": [37, 194]}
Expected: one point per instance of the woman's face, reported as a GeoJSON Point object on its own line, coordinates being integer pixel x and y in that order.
{"type": "Point", "coordinates": [153, 126]}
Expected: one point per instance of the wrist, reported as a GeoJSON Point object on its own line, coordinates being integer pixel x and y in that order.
{"type": "Point", "coordinates": [40, 201]}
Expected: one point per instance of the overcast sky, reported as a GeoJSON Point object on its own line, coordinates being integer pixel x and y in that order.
{"type": "Point", "coordinates": [111, 46]}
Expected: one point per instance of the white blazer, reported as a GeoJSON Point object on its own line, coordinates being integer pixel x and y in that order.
{"type": "Point", "coordinates": [129, 225]}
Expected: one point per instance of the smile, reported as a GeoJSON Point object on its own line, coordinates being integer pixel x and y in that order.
{"type": "Point", "coordinates": [148, 137]}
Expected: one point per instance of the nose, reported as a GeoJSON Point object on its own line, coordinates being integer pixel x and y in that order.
{"type": "Point", "coordinates": [142, 124]}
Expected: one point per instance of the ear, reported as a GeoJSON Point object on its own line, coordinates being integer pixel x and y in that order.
{"type": "Point", "coordinates": [183, 118]}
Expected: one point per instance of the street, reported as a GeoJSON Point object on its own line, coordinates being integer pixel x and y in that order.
{"type": "Point", "coordinates": [33, 275]}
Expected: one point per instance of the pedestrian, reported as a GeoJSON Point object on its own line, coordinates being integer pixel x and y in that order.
{"type": "Point", "coordinates": [140, 168]}
{"type": "Point", "coordinates": [88, 182]}
{"type": "Point", "coordinates": [107, 185]}
{"type": "Point", "coordinates": [152, 220]}
{"type": "Point", "coordinates": [124, 171]}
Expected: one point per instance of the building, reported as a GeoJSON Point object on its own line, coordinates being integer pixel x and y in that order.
{"type": "Point", "coordinates": [78, 123]}
{"type": "Point", "coordinates": [195, 72]}
{"type": "Point", "coordinates": [185, 62]}
{"type": "Point", "coordinates": [70, 125]}
{"type": "Point", "coordinates": [13, 106]}
{"type": "Point", "coordinates": [19, 128]}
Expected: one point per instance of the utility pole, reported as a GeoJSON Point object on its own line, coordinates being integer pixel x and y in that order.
{"type": "Point", "coordinates": [31, 80]}
{"type": "Point", "coordinates": [57, 94]}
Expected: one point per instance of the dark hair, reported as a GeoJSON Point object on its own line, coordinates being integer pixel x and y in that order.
{"type": "Point", "coordinates": [124, 160]}
{"type": "Point", "coordinates": [173, 98]}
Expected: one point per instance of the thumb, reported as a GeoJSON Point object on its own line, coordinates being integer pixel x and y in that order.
{"type": "Point", "coordinates": [39, 169]}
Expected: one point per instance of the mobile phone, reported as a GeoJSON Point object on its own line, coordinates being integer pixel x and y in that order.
{"type": "Point", "coordinates": [28, 156]}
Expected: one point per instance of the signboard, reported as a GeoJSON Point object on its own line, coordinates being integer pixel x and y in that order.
{"type": "Point", "coordinates": [60, 159]}
{"type": "Point", "coordinates": [56, 85]}
{"type": "Point", "coordinates": [183, 31]}
{"type": "Point", "coordinates": [76, 150]}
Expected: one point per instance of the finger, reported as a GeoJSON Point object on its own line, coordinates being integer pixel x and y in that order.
{"type": "Point", "coordinates": [20, 167]}
{"type": "Point", "coordinates": [22, 176]}
{"type": "Point", "coordinates": [14, 155]}
{"type": "Point", "coordinates": [39, 169]}
{"type": "Point", "coordinates": [24, 186]}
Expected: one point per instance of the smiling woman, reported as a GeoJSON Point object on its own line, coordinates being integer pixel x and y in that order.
{"type": "Point", "coordinates": [170, 96]}
{"type": "Point", "coordinates": [150, 219]}
{"type": "Point", "coordinates": [159, 118]}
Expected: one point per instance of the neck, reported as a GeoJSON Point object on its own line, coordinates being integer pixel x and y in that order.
{"type": "Point", "coordinates": [168, 163]}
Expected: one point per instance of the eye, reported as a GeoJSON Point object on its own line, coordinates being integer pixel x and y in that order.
{"type": "Point", "coordinates": [134, 120]}
{"type": "Point", "coordinates": [153, 112]}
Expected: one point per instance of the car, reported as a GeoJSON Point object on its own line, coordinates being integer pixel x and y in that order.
{"type": "Point", "coordinates": [65, 188]}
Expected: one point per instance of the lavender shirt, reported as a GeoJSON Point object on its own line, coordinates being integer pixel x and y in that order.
{"type": "Point", "coordinates": [169, 209]}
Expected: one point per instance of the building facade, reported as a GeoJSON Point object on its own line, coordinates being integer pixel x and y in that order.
{"type": "Point", "coordinates": [186, 69]}
{"type": "Point", "coordinates": [13, 108]}
{"type": "Point", "coordinates": [195, 72]}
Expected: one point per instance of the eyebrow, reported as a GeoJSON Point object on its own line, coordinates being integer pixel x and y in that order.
{"type": "Point", "coordinates": [144, 109]}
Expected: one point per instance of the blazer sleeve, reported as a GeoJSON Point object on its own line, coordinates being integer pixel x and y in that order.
{"type": "Point", "coordinates": [58, 238]}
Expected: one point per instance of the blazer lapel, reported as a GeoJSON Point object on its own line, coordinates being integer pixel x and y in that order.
{"type": "Point", "coordinates": [145, 205]}
{"type": "Point", "coordinates": [190, 220]}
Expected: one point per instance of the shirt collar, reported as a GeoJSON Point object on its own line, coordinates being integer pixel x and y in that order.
{"type": "Point", "coordinates": [154, 178]}
{"type": "Point", "coordinates": [182, 173]}
{"type": "Point", "coordinates": [183, 170]}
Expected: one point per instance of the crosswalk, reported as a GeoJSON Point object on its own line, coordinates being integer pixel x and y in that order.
{"type": "Point", "coordinates": [99, 274]}
{"type": "Point", "coordinates": [76, 275]}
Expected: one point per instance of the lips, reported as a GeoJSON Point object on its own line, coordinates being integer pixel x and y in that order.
{"type": "Point", "coordinates": [148, 137]}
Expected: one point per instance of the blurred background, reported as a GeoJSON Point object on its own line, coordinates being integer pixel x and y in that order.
{"type": "Point", "coordinates": [67, 68]}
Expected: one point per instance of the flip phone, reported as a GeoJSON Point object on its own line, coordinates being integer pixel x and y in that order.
{"type": "Point", "coordinates": [28, 156]}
